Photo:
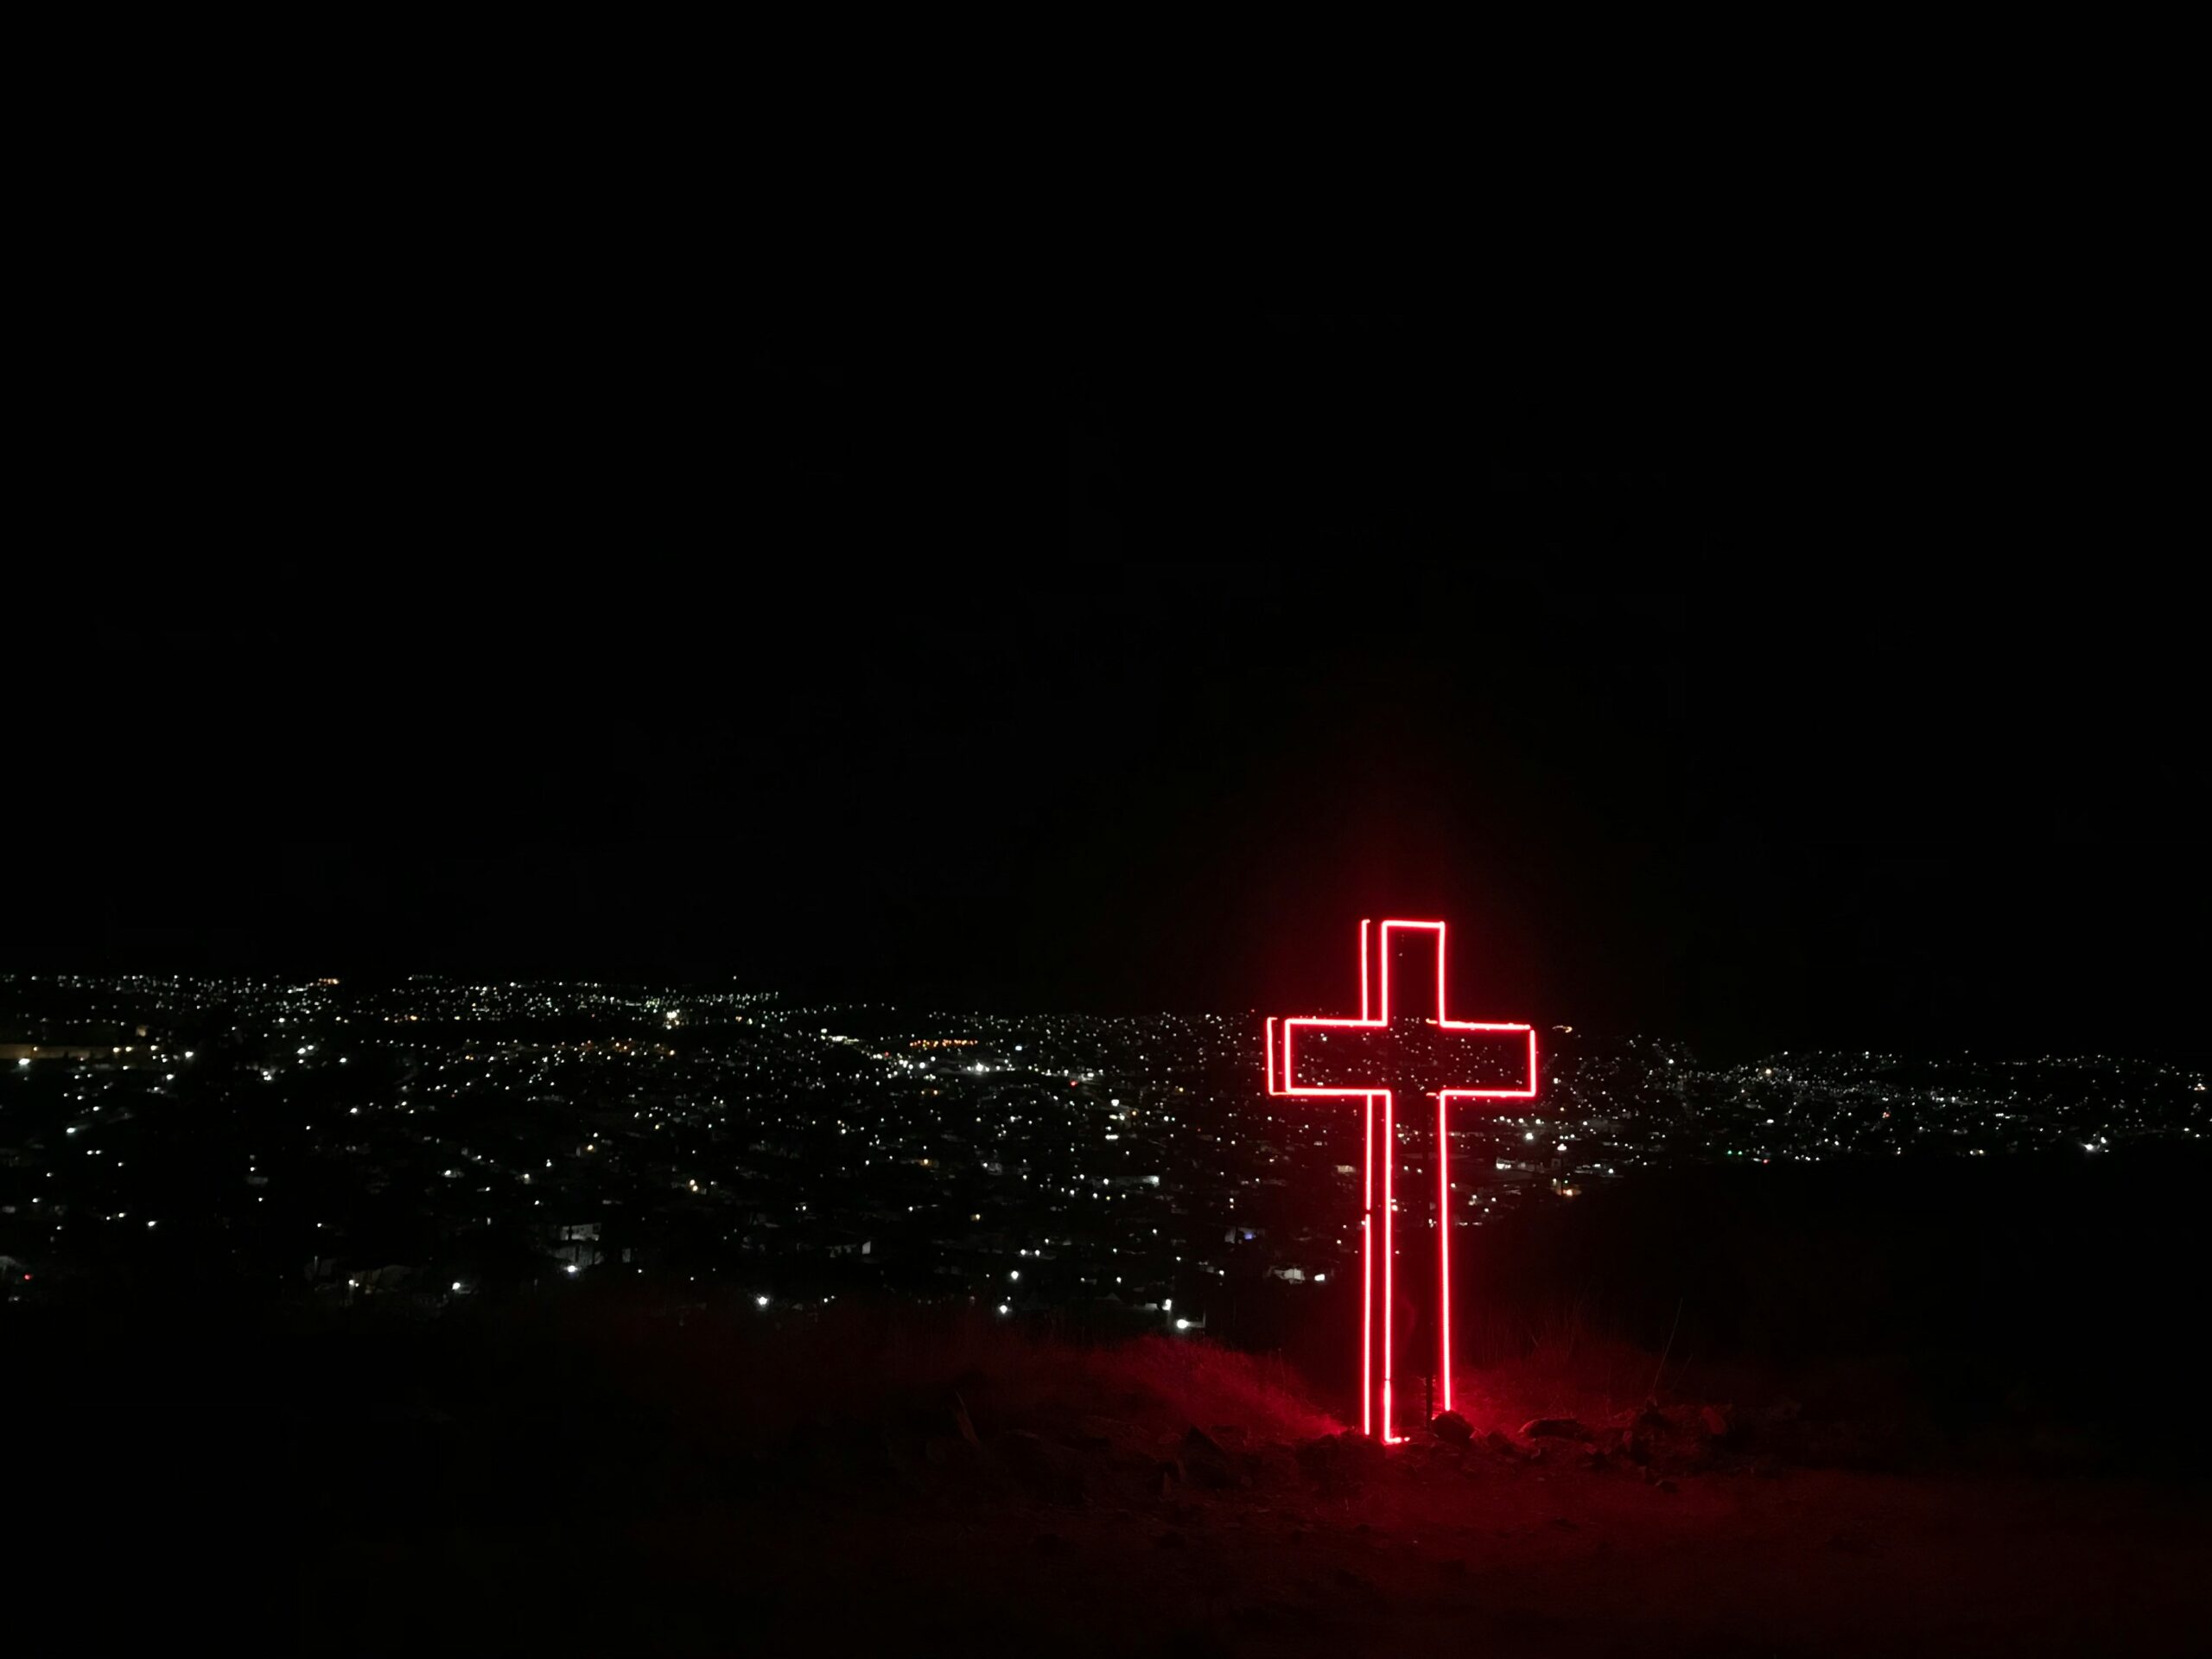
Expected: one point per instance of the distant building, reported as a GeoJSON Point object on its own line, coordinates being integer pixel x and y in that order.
{"type": "Point", "coordinates": [133, 1054]}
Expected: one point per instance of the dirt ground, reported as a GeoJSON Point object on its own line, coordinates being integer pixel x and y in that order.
{"type": "Point", "coordinates": [1438, 1549]}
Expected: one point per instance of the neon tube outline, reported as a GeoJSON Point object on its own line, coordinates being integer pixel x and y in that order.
{"type": "Point", "coordinates": [1367, 1237]}
{"type": "Point", "coordinates": [1370, 1020]}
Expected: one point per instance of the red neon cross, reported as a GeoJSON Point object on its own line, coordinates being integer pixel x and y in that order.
{"type": "Point", "coordinates": [1375, 1059]}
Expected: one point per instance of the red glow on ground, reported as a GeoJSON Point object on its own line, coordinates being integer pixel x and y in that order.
{"type": "Point", "coordinates": [1374, 1070]}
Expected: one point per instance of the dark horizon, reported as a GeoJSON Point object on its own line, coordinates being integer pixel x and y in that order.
{"type": "Point", "coordinates": [1825, 700]}
{"type": "Point", "coordinates": [1753, 818]}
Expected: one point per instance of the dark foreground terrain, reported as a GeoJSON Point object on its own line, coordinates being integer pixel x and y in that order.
{"type": "Point", "coordinates": [1929, 1409]}
{"type": "Point", "coordinates": [1076, 1542]}
{"type": "Point", "coordinates": [1474, 1553]}
{"type": "Point", "coordinates": [613, 1481]}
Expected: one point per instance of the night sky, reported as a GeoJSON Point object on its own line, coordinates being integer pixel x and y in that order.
{"type": "Point", "coordinates": [1138, 694]}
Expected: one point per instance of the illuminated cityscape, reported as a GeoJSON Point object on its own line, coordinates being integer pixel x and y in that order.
{"type": "Point", "coordinates": [414, 1145]}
